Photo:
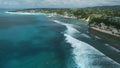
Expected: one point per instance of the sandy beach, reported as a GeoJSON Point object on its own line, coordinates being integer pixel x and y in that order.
{"type": "Point", "coordinates": [104, 31]}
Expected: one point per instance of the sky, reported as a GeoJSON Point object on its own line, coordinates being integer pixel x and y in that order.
{"type": "Point", "coordinates": [55, 3]}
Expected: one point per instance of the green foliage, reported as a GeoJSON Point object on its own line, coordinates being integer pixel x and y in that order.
{"type": "Point", "coordinates": [105, 21]}
{"type": "Point", "coordinates": [96, 14]}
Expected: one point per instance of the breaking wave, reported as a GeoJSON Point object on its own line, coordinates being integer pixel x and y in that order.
{"type": "Point", "coordinates": [25, 13]}
{"type": "Point", "coordinates": [86, 56]}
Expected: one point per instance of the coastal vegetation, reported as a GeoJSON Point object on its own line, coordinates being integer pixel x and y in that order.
{"type": "Point", "coordinates": [103, 21]}
{"type": "Point", "coordinates": [79, 13]}
{"type": "Point", "coordinates": [101, 18]}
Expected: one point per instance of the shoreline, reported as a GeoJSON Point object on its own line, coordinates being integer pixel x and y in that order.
{"type": "Point", "coordinates": [82, 44]}
{"type": "Point", "coordinates": [107, 37]}
{"type": "Point", "coordinates": [78, 24]}
{"type": "Point", "coordinates": [52, 14]}
{"type": "Point", "coordinates": [104, 31]}
{"type": "Point", "coordinates": [28, 13]}
{"type": "Point", "coordinates": [110, 48]}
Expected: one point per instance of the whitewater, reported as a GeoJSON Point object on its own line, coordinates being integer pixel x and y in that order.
{"type": "Point", "coordinates": [26, 13]}
{"type": "Point", "coordinates": [86, 56]}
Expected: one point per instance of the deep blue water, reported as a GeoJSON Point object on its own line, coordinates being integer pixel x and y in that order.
{"type": "Point", "coordinates": [36, 41]}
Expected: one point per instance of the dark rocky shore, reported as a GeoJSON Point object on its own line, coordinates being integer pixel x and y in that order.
{"type": "Point", "coordinates": [98, 44]}
{"type": "Point", "coordinates": [111, 39]}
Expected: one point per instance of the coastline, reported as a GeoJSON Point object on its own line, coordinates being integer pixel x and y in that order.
{"type": "Point", "coordinates": [85, 25]}
{"type": "Point", "coordinates": [110, 38]}
{"type": "Point", "coordinates": [109, 50]}
{"type": "Point", "coordinates": [78, 24]}
{"type": "Point", "coordinates": [51, 14]}
{"type": "Point", "coordinates": [106, 36]}
{"type": "Point", "coordinates": [79, 45]}
{"type": "Point", "coordinates": [28, 13]}
{"type": "Point", "coordinates": [104, 31]}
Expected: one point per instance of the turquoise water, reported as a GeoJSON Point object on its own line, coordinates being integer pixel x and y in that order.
{"type": "Point", "coordinates": [37, 41]}
{"type": "Point", "coordinates": [32, 41]}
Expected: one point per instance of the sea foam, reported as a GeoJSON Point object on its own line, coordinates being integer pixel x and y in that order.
{"type": "Point", "coordinates": [25, 13]}
{"type": "Point", "coordinates": [86, 56]}
{"type": "Point", "coordinates": [70, 29]}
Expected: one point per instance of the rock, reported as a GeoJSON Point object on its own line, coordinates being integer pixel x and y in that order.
{"type": "Point", "coordinates": [103, 26]}
{"type": "Point", "coordinates": [93, 24]}
{"type": "Point", "coordinates": [110, 28]}
{"type": "Point", "coordinates": [115, 31]}
{"type": "Point", "coordinates": [119, 32]}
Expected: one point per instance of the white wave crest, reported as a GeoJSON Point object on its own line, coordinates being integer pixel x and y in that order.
{"type": "Point", "coordinates": [25, 13]}
{"type": "Point", "coordinates": [113, 48]}
{"type": "Point", "coordinates": [86, 55]}
{"type": "Point", "coordinates": [97, 37]}
{"type": "Point", "coordinates": [70, 29]}
{"type": "Point", "coordinates": [85, 35]}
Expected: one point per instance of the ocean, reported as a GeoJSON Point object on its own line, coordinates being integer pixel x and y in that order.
{"type": "Point", "coordinates": [38, 41]}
